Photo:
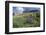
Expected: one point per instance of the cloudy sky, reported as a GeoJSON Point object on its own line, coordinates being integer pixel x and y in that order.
{"type": "Point", "coordinates": [25, 9]}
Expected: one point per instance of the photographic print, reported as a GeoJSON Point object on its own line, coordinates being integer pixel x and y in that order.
{"type": "Point", "coordinates": [24, 17]}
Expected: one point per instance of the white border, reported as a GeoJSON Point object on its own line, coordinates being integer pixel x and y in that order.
{"type": "Point", "coordinates": [11, 29]}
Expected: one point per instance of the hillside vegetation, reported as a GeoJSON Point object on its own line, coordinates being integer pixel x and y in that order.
{"type": "Point", "coordinates": [26, 20]}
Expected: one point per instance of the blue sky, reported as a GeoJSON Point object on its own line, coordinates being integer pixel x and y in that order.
{"type": "Point", "coordinates": [25, 9]}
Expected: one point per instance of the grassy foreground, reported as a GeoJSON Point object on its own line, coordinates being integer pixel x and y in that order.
{"type": "Point", "coordinates": [26, 20]}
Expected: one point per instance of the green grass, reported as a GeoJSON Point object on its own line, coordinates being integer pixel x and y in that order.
{"type": "Point", "coordinates": [21, 20]}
